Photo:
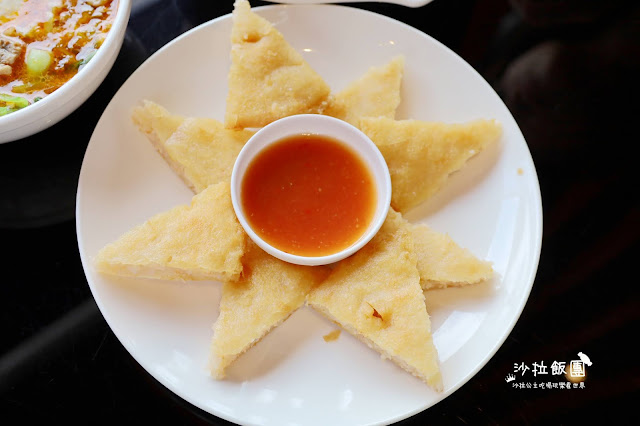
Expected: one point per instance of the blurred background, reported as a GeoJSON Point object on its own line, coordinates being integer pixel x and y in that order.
{"type": "Point", "coordinates": [568, 71]}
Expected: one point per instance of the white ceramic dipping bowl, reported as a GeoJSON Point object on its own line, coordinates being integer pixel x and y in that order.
{"type": "Point", "coordinates": [56, 106]}
{"type": "Point", "coordinates": [323, 126]}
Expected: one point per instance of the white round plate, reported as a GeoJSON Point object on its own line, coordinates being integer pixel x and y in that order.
{"type": "Point", "coordinates": [293, 376]}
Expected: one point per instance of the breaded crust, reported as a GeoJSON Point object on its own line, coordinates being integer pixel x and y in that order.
{"type": "Point", "coordinates": [199, 150]}
{"type": "Point", "coordinates": [376, 296]}
{"type": "Point", "coordinates": [268, 78]}
{"type": "Point", "coordinates": [200, 241]}
{"type": "Point", "coordinates": [443, 263]}
{"type": "Point", "coordinates": [421, 154]}
{"type": "Point", "coordinates": [268, 292]}
{"type": "Point", "coordinates": [157, 124]}
{"type": "Point", "coordinates": [203, 152]}
{"type": "Point", "coordinates": [375, 94]}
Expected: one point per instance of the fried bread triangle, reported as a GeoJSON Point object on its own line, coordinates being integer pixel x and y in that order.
{"type": "Point", "coordinates": [200, 241]}
{"type": "Point", "coordinates": [376, 296]}
{"type": "Point", "coordinates": [268, 78]}
{"type": "Point", "coordinates": [200, 150]}
{"type": "Point", "coordinates": [156, 123]}
{"type": "Point", "coordinates": [375, 94]}
{"type": "Point", "coordinates": [203, 152]}
{"type": "Point", "coordinates": [421, 155]}
{"type": "Point", "coordinates": [268, 292]}
{"type": "Point", "coordinates": [443, 263]}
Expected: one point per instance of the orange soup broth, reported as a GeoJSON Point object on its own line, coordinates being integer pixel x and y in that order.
{"type": "Point", "coordinates": [309, 195]}
{"type": "Point", "coordinates": [75, 32]}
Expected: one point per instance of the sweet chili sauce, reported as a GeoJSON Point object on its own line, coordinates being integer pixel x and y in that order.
{"type": "Point", "coordinates": [308, 195]}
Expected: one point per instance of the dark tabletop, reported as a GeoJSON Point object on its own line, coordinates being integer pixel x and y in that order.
{"type": "Point", "coordinates": [569, 72]}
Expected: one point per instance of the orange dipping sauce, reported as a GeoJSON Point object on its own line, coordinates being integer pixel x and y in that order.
{"type": "Point", "coordinates": [308, 195]}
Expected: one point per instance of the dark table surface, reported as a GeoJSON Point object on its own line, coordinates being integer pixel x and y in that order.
{"type": "Point", "coordinates": [567, 70]}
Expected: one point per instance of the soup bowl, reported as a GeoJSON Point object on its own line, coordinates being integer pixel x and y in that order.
{"type": "Point", "coordinates": [66, 99]}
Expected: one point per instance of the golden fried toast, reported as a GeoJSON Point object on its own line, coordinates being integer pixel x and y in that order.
{"type": "Point", "coordinates": [156, 123]}
{"type": "Point", "coordinates": [200, 150]}
{"type": "Point", "coordinates": [376, 296]}
{"type": "Point", "coordinates": [268, 78]}
{"type": "Point", "coordinates": [200, 241]}
{"type": "Point", "coordinates": [203, 152]}
{"type": "Point", "coordinates": [375, 94]}
{"type": "Point", "coordinates": [421, 154]}
{"type": "Point", "coordinates": [267, 293]}
{"type": "Point", "coordinates": [443, 263]}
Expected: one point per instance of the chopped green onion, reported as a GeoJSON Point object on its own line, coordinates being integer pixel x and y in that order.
{"type": "Point", "coordinates": [86, 60]}
{"type": "Point", "coordinates": [39, 84]}
{"type": "Point", "coordinates": [6, 110]}
{"type": "Point", "coordinates": [10, 103]}
{"type": "Point", "coordinates": [38, 61]}
{"type": "Point", "coordinates": [13, 101]}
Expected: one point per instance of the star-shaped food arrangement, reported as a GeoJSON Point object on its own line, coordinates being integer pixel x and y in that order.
{"type": "Point", "coordinates": [377, 294]}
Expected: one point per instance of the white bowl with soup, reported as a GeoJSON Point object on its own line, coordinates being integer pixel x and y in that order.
{"type": "Point", "coordinates": [310, 189]}
{"type": "Point", "coordinates": [53, 55]}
